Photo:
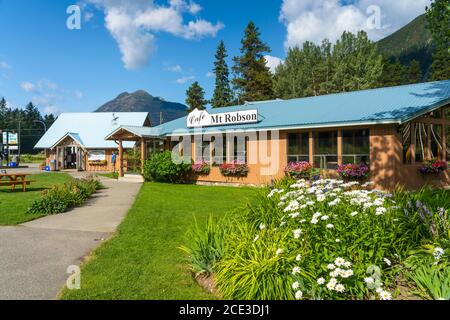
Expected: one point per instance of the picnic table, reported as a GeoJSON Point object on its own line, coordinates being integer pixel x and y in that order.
{"type": "Point", "coordinates": [13, 179]}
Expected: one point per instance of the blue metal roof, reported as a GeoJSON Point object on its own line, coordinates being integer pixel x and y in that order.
{"type": "Point", "coordinates": [383, 105]}
{"type": "Point", "coordinates": [90, 129]}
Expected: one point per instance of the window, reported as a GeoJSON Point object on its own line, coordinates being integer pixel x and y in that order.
{"type": "Point", "coordinates": [240, 148]}
{"type": "Point", "coordinates": [406, 142]}
{"type": "Point", "coordinates": [219, 150]}
{"type": "Point", "coordinates": [202, 150]}
{"type": "Point", "coordinates": [436, 141]}
{"type": "Point", "coordinates": [325, 150]}
{"type": "Point", "coordinates": [447, 143]}
{"type": "Point", "coordinates": [355, 146]}
{"type": "Point", "coordinates": [298, 147]}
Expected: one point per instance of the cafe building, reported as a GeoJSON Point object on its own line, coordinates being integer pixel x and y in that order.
{"type": "Point", "coordinates": [76, 140]}
{"type": "Point", "coordinates": [392, 130]}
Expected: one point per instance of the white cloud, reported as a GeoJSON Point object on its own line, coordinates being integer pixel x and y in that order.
{"type": "Point", "coordinates": [87, 16]}
{"type": "Point", "coordinates": [209, 74]}
{"type": "Point", "coordinates": [183, 80]}
{"type": "Point", "coordinates": [28, 86]}
{"type": "Point", "coordinates": [40, 86]}
{"type": "Point", "coordinates": [4, 65]}
{"type": "Point", "coordinates": [312, 20]}
{"type": "Point", "coordinates": [133, 24]}
{"type": "Point", "coordinates": [272, 62]}
{"type": "Point", "coordinates": [52, 109]}
{"type": "Point", "coordinates": [174, 68]}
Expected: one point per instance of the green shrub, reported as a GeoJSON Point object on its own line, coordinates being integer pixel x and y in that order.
{"type": "Point", "coordinates": [162, 168]}
{"type": "Point", "coordinates": [206, 247]}
{"type": "Point", "coordinates": [60, 198]}
{"type": "Point", "coordinates": [329, 239]}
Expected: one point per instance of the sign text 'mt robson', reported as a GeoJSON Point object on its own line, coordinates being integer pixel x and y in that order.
{"type": "Point", "coordinates": [202, 118]}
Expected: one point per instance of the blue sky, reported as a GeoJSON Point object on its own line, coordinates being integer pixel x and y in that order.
{"type": "Point", "coordinates": [158, 46]}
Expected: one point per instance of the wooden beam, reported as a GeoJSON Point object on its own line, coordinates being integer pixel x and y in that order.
{"type": "Point", "coordinates": [339, 147]}
{"type": "Point", "coordinates": [311, 147]}
{"type": "Point", "coordinates": [121, 174]}
{"type": "Point", "coordinates": [143, 155]}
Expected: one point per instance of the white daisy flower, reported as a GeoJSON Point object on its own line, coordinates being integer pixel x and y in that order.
{"type": "Point", "coordinates": [379, 290]}
{"type": "Point", "coordinates": [297, 233]}
{"type": "Point", "coordinates": [324, 218]}
{"type": "Point", "coordinates": [296, 270]}
{"type": "Point", "coordinates": [369, 280]}
{"type": "Point", "coordinates": [385, 295]}
{"type": "Point", "coordinates": [331, 266]}
{"type": "Point", "coordinates": [339, 261]}
{"type": "Point", "coordinates": [298, 257]}
{"type": "Point", "coordinates": [339, 288]}
{"type": "Point", "coordinates": [330, 226]}
{"type": "Point", "coordinates": [314, 221]}
{"type": "Point", "coordinates": [298, 295]}
{"type": "Point", "coordinates": [279, 251]}
{"type": "Point", "coordinates": [354, 213]}
{"type": "Point", "coordinates": [295, 285]}
{"type": "Point", "coordinates": [338, 240]}
{"type": "Point", "coordinates": [347, 264]}
{"type": "Point", "coordinates": [320, 281]}
{"type": "Point", "coordinates": [438, 253]}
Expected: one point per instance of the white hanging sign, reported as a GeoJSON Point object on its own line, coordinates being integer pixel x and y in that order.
{"type": "Point", "coordinates": [202, 118]}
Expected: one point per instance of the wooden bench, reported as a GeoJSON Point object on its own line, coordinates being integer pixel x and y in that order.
{"type": "Point", "coordinates": [13, 184]}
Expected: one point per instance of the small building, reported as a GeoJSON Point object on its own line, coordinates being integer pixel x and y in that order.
{"type": "Point", "coordinates": [393, 130]}
{"type": "Point", "coordinates": [76, 140]}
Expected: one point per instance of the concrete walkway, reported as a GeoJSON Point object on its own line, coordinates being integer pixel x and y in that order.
{"type": "Point", "coordinates": [34, 257]}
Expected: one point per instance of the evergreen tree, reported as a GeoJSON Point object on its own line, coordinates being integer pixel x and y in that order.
{"type": "Point", "coordinates": [438, 17]}
{"type": "Point", "coordinates": [253, 80]}
{"type": "Point", "coordinates": [394, 73]}
{"type": "Point", "coordinates": [368, 63]}
{"type": "Point", "coordinates": [196, 97]}
{"type": "Point", "coordinates": [3, 112]}
{"type": "Point", "coordinates": [223, 95]}
{"type": "Point", "coordinates": [414, 72]}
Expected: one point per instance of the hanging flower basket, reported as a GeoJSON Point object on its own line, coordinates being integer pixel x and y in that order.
{"type": "Point", "coordinates": [234, 169]}
{"type": "Point", "coordinates": [433, 167]}
{"type": "Point", "coordinates": [98, 163]}
{"type": "Point", "coordinates": [353, 171]}
{"type": "Point", "coordinates": [299, 170]}
{"type": "Point", "coordinates": [201, 168]}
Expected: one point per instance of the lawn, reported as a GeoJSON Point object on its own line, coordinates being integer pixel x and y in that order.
{"type": "Point", "coordinates": [14, 205]}
{"type": "Point", "coordinates": [143, 260]}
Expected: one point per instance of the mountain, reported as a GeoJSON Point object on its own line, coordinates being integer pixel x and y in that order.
{"type": "Point", "coordinates": [413, 41]}
{"type": "Point", "coordinates": [142, 101]}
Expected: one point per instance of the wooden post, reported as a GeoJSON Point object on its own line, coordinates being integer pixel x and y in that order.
{"type": "Point", "coordinates": [311, 147]}
{"type": "Point", "coordinates": [121, 158]}
{"type": "Point", "coordinates": [339, 147]}
{"type": "Point", "coordinates": [143, 155]}
{"type": "Point", "coordinates": [412, 131]}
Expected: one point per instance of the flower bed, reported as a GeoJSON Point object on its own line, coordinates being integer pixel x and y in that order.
{"type": "Point", "coordinates": [433, 167]}
{"type": "Point", "coordinates": [300, 169]}
{"type": "Point", "coordinates": [201, 168]}
{"type": "Point", "coordinates": [331, 239]}
{"type": "Point", "coordinates": [60, 198]}
{"type": "Point", "coordinates": [353, 171]}
{"type": "Point", "coordinates": [98, 163]}
{"type": "Point", "coordinates": [234, 169]}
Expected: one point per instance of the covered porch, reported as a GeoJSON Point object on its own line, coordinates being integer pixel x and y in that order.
{"type": "Point", "coordinates": [146, 139]}
{"type": "Point", "coordinates": [70, 153]}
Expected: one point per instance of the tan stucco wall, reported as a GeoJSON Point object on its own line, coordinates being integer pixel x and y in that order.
{"type": "Point", "coordinates": [386, 166]}
{"type": "Point", "coordinates": [51, 155]}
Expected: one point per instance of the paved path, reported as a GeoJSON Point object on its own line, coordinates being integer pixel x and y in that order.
{"type": "Point", "coordinates": [34, 257]}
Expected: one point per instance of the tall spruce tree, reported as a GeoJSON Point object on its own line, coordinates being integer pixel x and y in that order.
{"type": "Point", "coordinates": [3, 112]}
{"type": "Point", "coordinates": [394, 73]}
{"type": "Point", "coordinates": [414, 72]}
{"type": "Point", "coordinates": [223, 95]}
{"type": "Point", "coordinates": [252, 78]}
{"type": "Point", "coordinates": [438, 18]}
{"type": "Point", "coordinates": [195, 97]}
